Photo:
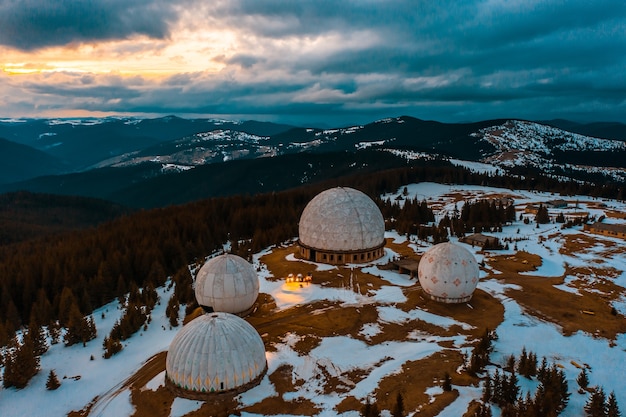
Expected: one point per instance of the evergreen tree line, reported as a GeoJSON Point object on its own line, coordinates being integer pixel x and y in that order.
{"type": "Point", "coordinates": [550, 399]}
{"type": "Point", "coordinates": [483, 215]}
{"type": "Point", "coordinates": [406, 218]}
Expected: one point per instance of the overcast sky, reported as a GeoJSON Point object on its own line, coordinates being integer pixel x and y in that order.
{"type": "Point", "coordinates": [311, 61]}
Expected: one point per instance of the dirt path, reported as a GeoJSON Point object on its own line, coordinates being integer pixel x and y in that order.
{"type": "Point", "coordinates": [151, 368]}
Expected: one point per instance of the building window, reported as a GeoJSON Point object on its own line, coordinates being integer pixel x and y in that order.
{"type": "Point", "coordinates": [339, 258]}
{"type": "Point", "coordinates": [324, 257]}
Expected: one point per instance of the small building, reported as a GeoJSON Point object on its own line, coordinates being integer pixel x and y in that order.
{"type": "Point", "coordinates": [531, 209]}
{"type": "Point", "coordinates": [556, 204]}
{"type": "Point", "coordinates": [611, 230]}
{"type": "Point", "coordinates": [406, 266]}
{"type": "Point", "coordinates": [227, 283]}
{"type": "Point", "coordinates": [480, 240]}
{"type": "Point", "coordinates": [448, 273]}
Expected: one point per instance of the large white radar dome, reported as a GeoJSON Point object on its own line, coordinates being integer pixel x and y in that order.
{"type": "Point", "coordinates": [448, 273]}
{"type": "Point", "coordinates": [215, 352]}
{"type": "Point", "coordinates": [227, 283]}
{"type": "Point", "coordinates": [343, 223]}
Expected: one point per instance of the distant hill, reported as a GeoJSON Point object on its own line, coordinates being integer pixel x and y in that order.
{"type": "Point", "coordinates": [151, 185]}
{"type": "Point", "coordinates": [25, 215]}
{"type": "Point", "coordinates": [19, 162]}
{"type": "Point", "coordinates": [156, 162]}
{"type": "Point", "coordinates": [85, 142]}
{"type": "Point", "coordinates": [605, 130]}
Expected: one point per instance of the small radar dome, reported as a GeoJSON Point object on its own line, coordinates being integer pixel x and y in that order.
{"type": "Point", "coordinates": [227, 283]}
{"type": "Point", "coordinates": [448, 273]}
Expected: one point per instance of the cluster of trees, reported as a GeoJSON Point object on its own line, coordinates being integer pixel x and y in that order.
{"type": "Point", "coordinates": [551, 396]}
{"type": "Point", "coordinates": [20, 362]}
{"type": "Point", "coordinates": [183, 294]}
{"type": "Point", "coordinates": [599, 405]}
{"type": "Point", "coordinates": [550, 399]}
{"type": "Point", "coordinates": [406, 218]}
{"type": "Point", "coordinates": [138, 306]}
{"type": "Point", "coordinates": [480, 354]}
{"type": "Point", "coordinates": [483, 215]}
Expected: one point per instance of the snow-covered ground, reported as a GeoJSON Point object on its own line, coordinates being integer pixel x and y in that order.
{"type": "Point", "coordinates": [336, 355]}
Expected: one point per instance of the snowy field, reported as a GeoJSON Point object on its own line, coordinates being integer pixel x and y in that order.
{"type": "Point", "coordinates": [83, 378]}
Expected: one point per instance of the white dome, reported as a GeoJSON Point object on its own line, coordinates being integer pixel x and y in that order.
{"type": "Point", "coordinates": [449, 273]}
{"type": "Point", "coordinates": [227, 283]}
{"type": "Point", "coordinates": [215, 352]}
{"type": "Point", "coordinates": [342, 219]}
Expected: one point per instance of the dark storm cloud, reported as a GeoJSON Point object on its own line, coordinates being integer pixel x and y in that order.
{"type": "Point", "coordinates": [357, 60]}
{"type": "Point", "coordinates": [33, 24]}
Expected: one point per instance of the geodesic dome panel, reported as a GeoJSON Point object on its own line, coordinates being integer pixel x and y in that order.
{"type": "Point", "coordinates": [227, 283]}
{"type": "Point", "coordinates": [448, 272]}
{"type": "Point", "coordinates": [342, 219]}
{"type": "Point", "coordinates": [215, 352]}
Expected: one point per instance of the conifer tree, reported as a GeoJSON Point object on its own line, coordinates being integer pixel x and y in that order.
{"type": "Point", "coordinates": [38, 336]}
{"type": "Point", "coordinates": [612, 410]}
{"type": "Point", "coordinates": [487, 390]}
{"type": "Point", "coordinates": [4, 335]}
{"type": "Point", "coordinates": [370, 409]}
{"type": "Point", "coordinates": [79, 328]}
{"type": "Point", "coordinates": [398, 408]}
{"type": "Point", "coordinates": [542, 216]}
{"type": "Point", "coordinates": [67, 302]}
{"type": "Point", "coordinates": [53, 382]}
{"type": "Point", "coordinates": [531, 365]}
{"type": "Point", "coordinates": [54, 328]}
{"type": "Point", "coordinates": [522, 365]}
{"type": "Point", "coordinates": [596, 405]}
{"type": "Point", "coordinates": [20, 365]}
{"type": "Point", "coordinates": [111, 346]}
{"type": "Point", "coordinates": [172, 310]}
{"type": "Point", "coordinates": [583, 379]}
{"type": "Point", "coordinates": [447, 382]}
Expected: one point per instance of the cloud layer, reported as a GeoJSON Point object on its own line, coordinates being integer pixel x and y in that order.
{"type": "Point", "coordinates": [348, 61]}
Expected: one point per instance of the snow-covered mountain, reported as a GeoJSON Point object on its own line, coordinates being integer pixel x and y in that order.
{"type": "Point", "coordinates": [126, 153]}
{"type": "Point", "coordinates": [199, 149]}
{"type": "Point", "coordinates": [522, 144]}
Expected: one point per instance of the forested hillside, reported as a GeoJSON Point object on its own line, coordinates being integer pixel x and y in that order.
{"type": "Point", "coordinates": [94, 266]}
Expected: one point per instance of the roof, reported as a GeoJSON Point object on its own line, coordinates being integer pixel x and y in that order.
{"type": "Point", "coordinates": [227, 283]}
{"type": "Point", "coordinates": [618, 228]}
{"type": "Point", "coordinates": [342, 219]}
{"type": "Point", "coordinates": [449, 272]}
{"type": "Point", "coordinates": [479, 237]}
{"type": "Point", "coordinates": [215, 352]}
{"type": "Point", "coordinates": [406, 263]}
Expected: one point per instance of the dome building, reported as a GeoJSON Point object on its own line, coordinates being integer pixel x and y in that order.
{"type": "Point", "coordinates": [448, 273]}
{"type": "Point", "coordinates": [227, 283]}
{"type": "Point", "coordinates": [215, 353]}
{"type": "Point", "coordinates": [341, 225]}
